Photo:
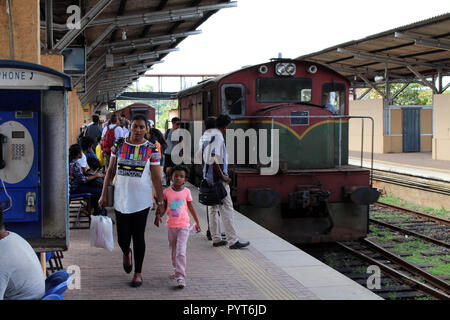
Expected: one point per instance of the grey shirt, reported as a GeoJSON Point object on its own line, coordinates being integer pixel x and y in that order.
{"type": "Point", "coordinates": [94, 131]}
{"type": "Point", "coordinates": [21, 275]}
{"type": "Point", "coordinates": [171, 144]}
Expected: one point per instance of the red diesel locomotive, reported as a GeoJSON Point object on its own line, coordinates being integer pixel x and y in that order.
{"type": "Point", "coordinates": [312, 194]}
{"type": "Point", "coordinates": [137, 108]}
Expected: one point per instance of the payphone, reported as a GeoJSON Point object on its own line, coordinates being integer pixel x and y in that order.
{"type": "Point", "coordinates": [33, 153]}
{"type": "Point", "coordinates": [19, 171]}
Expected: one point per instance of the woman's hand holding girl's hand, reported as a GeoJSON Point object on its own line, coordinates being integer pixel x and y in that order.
{"type": "Point", "coordinates": [158, 220]}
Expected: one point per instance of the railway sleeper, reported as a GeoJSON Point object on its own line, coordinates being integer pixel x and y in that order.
{"type": "Point", "coordinates": [401, 295]}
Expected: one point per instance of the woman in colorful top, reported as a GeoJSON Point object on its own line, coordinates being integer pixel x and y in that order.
{"type": "Point", "coordinates": [135, 165]}
{"type": "Point", "coordinates": [177, 200]}
{"type": "Point", "coordinates": [78, 180]}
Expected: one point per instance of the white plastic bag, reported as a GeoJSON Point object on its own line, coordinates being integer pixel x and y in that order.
{"type": "Point", "coordinates": [102, 232]}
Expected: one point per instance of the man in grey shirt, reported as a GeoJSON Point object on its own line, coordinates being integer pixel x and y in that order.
{"type": "Point", "coordinates": [21, 275]}
{"type": "Point", "coordinates": [94, 131]}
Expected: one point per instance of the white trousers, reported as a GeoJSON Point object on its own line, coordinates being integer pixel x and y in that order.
{"type": "Point", "coordinates": [226, 213]}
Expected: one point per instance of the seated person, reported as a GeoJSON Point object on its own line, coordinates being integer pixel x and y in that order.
{"type": "Point", "coordinates": [87, 143]}
{"type": "Point", "coordinates": [79, 181]}
{"type": "Point", "coordinates": [82, 162]}
{"type": "Point", "coordinates": [21, 275]}
{"type": "Point", "coordinates": [94, 166]}
{"type": "Point", "coordinates": [331, 108]}
{"type": "Point", "coordinates": [99, 153]}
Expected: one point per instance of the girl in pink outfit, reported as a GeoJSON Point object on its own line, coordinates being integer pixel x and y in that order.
{"type": "Point", "coordinates": [177, 200]}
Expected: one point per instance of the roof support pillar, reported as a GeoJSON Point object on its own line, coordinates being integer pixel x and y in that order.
{"type": "Point", "coordinates": [387, 103]}
{"type": "Point", "coordinates": [439, 79]}
{"type": "Point", "coordinates": [49, 23]}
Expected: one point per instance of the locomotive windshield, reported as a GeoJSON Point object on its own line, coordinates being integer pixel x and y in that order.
{"type": "Point", "coordinates": [283, 90]}
{"type": "Point", "coordinates": [333, 97]}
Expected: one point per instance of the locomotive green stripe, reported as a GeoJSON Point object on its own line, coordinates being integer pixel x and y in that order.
{"type": "Point", "coordinates": [317, 147]}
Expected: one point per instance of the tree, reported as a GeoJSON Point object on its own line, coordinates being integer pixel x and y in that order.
{"type": "Point", "coordinates": [414, 94]}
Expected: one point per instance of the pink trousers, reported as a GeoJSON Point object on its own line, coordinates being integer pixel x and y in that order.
{"type": "Point", "coordinates": [178, 238]}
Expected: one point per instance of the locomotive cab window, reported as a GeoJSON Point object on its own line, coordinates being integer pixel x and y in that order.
{"type": "Point", "coordinates": [283, 90]}
{"type": "Point", "coordinates": [333, 97]}
{"type": "Point", "coordinates": [233, 99]}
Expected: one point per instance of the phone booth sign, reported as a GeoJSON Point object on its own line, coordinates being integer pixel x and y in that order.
{"type": "Point", "coordinates": [33, 153]}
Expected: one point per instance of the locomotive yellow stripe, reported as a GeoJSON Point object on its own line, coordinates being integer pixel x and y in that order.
{"type": "Point", "coordinates": [299, 137]}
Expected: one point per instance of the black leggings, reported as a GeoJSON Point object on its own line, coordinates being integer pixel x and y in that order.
{"type": "Point", "coordinates": [132, 225]}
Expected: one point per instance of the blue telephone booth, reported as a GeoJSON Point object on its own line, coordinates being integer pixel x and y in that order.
{"type": "Point", "coordinates": [33, 153]}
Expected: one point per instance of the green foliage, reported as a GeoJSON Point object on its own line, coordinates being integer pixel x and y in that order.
{"type": "Point", "coordinates": [408, 205]}
{"type": "Point", "coordinates": [414, 94]}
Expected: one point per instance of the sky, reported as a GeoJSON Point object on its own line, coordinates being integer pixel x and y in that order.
{"type": "Point", "coordinates": [257, 30]}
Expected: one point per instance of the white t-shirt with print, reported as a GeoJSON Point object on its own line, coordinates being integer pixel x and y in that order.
{"type": "Point", "coordinates": [133, 184]}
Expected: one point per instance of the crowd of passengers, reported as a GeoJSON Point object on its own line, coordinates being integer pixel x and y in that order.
{"type": "Point", "coordinates": [132, 154]}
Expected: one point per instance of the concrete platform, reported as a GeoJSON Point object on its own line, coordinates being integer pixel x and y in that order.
{"type": "Point", "coordinates": [269, 269]}
{"type": "Point", "coordinates": [419, 164]}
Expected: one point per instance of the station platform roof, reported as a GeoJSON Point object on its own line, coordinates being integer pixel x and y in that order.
{"type": "Point", "coordinates": [410, 53]}
{"type": "Point", "coordinates": [122, 38]}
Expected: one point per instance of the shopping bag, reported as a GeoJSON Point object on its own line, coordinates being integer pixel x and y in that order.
{"type": "Point", "coordinates": [102, 232]}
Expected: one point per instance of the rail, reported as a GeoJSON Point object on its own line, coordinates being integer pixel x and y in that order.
{"type": "Point", "coordinates": [340, 134]}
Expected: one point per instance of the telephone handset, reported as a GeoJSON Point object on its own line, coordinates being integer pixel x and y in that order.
{"type": "Point", "coordinates": [16, 152]}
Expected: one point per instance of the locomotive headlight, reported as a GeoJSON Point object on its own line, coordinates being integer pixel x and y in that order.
{"type": "Point", "coordinates": [290, 69]}
{"type": "Point", "coordinates": [285, 69]}
{"type": "Point", "coordinates": [280, 69]}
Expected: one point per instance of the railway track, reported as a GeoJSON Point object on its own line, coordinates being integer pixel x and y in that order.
{"type": "Point", "coordinates": [398, 280]}
{"type": "Point", "coordinates": [429, 191]}
{"type": "Point", "coordinates": [398, 241]}
{"type": "Point", "coordinates": [430, 228]}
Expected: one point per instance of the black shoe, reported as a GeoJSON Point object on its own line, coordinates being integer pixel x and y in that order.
{"type": "Point", "coordinates": [220, 243]}
{"type": "Point", "coordinates": [130, 267]}
{"type": "Point", "coordinates": [239, 245]}
{"type": "Point", "coordinates": [136, 284]}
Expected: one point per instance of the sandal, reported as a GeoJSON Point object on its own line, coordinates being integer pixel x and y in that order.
{"type": "Point", "coordinates": [130, 267]}
{"type": "Point", "coordinates": [136, 284]}
{"type": "Point", "coordinates": [181, 283]}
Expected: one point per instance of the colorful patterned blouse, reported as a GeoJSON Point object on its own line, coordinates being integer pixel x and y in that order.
{"type": "Point", "coordinates": [133, 185]}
